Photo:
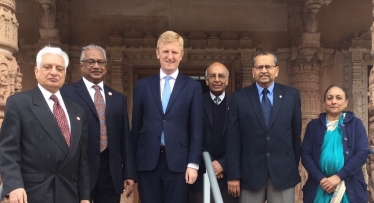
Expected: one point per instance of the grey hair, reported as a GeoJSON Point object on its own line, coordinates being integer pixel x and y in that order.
{"type": "Point", "coordinates": [91, 46]}
{"type": "Point", "coordinates": [264, 52]}
{"type": "Point", "coordinates": [52, 50]}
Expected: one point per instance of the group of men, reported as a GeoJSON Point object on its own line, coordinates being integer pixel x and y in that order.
{"type": "Point", "coordinates": [72, 143]}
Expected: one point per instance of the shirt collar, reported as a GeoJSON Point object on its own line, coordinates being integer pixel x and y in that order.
{"type": "Point", "coordinates": [90, 84]}
{"type": "Point", "coordinates": [47, 94]}
{"type": "Point", "coordinates": [270, 88]}
{"type": "Point", "coordinates": [222, 96]}
{"type": "Point", "coordinates": [173, 75]}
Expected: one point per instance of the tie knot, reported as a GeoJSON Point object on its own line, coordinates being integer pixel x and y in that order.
{"type": "Point", "coordinates": [96, 87]}
{"type": "Point", "coordinates": [54, 98]}
{"type": "Point", "coordinates": [167, 78]}
{"type": "Point", "coordinates": [265, 91]}
{"type": "Point", "coordinates": [217, 100]}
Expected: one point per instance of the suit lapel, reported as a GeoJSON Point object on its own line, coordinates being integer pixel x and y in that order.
{"type": "Point", "coordinates": [155, 85]}
{"type": "Point", "coordinates": [208, 108]}
{"type": "Point", "coordinates": [82, 91]}
{"type": "Point", "coordinates": [109, 97]}
{"type": "Point", "coordinates": [227, 107]}
{"type": "Point", "coordinates": [179, 84]}
{"type": "Point", "coordinates": [277, 102]}
{"type": "Point", "coordinates": [46, 119]}
{"type": "Point", "coordinates": [76, 131]}
{"type": "Point", "coordinates": [255, 101]}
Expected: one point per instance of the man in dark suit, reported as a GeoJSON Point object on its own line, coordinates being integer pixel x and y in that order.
{"type": "Point", "coordinates": [110, 152]}
{"type": "Point", "coordinates": [44, 138]}
{"type": "Point", "coordinates": [167, 127]}
{"type": "Point", "coordinates": [216, 103]}
{"type": "Point", "coordinates": [263, 137]}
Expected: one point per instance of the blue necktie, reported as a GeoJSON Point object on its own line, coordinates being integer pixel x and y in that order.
{"type": "Point", "coordinates": [266, 106]}
{"type": "Point", "coordinates": [165, 100]}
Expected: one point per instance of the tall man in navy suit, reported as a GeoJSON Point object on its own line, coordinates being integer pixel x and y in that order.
{"type": "Point", "coordinates": [167, 127]}
{"type": "Point", "coordinates": [263, 143]}
{"type": "Point", "coordinates": [216, 103]}
{"type": "Point", "coordinates": [43, 139]}
{"type": "Point", "coordinates": [110, 152]}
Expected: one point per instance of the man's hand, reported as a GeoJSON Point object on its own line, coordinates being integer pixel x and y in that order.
{"type": "Point", "coordinates": [191, 175]}
{"type": "Point", "coordinates": [219, 176]}
{"type": "Point", "coordinates": [329, 184]}
{"type": "Point", "coordinates": [217, 167]}
{"type": "Point", "coordinates": [84, 201]}
{"type": "Point", "coordinates": [234, 187]}
{"type": "Point", "coordinates": [18, 196]}
{"type": "Point", "coordinates": [128, 187]}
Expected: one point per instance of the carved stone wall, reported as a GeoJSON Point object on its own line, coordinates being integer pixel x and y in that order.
{"type": "Point", "coordinates": [10, 76]}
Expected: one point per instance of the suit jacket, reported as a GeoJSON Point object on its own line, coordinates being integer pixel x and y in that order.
{"type": "Point", "coordinates": [253, 151]}
{"type": "Point", "coordinates": [207, 139]}
{"type": "Point", "coordinates": [182, 123]}
{"type": "Point", "coordinates": [121, 152]}
{"type": "Point", "coordinates": [34, 153]}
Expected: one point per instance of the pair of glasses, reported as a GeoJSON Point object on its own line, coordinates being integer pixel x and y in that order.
{"type": "Point", "coordinates": [91, 62]}
{"type": "Point", "coordinates": [220, 77]}
{"type": "Point", "coordinates": [267, 67]}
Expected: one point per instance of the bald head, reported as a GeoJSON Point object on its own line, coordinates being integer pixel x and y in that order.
{"type": "Point", "coordinates": [217, 78]}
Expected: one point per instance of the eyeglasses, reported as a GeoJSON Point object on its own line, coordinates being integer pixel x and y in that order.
{"type": "Point", "coordinates": [91, 62]}
{"type": "Point", "coordinates": [213, 77]}
{"type": "Point", "coordinates": [267, 67]}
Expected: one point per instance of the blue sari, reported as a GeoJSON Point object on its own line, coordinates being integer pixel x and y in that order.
{"type": "Point", "coordinates": [332, 158]}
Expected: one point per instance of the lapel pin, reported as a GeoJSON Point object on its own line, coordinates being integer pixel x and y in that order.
{"type": "Point", "coordinates": [78, 118]}
{"type": "Point", "coordinates": [110, 93]}
{"type": "Point", "coordinates": [280, 96]}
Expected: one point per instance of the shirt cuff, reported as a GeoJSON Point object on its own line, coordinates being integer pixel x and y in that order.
{"type": "Point", "coordinates": [193, 165]}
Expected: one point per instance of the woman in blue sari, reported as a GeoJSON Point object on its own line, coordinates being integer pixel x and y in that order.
{"type": "Point", "coordinates": [334, 149]}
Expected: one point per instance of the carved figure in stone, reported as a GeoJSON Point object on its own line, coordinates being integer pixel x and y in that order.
{"type": "Point", "coordinates": [18, 83]}
{"type": "Point", "coordinates": [311, 22]}
{"type": "Point", "coordinates": [48, 17]}
{"type": "Point", "coordinates": [4, 82]}
{"type": "Point", "coordinates": [2, 25]}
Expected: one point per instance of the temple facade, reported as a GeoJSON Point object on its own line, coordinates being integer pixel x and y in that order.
{"type": "Point", "coordinates": [318, 43]}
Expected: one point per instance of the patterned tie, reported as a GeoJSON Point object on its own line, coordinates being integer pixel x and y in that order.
{"type": "Point", "coordinates": [61, 118]}
{"type": "Point", "coordinates": [217, 100]}
{"type": "Point", "coordinates": [165, 100]}
{"type": "Point", "coordinates": [266, 106]}
{"type": "Point", "coordinates": [100, 108]}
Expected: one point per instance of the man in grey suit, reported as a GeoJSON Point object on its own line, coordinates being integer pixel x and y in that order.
{"type": "Point", "coordinates": [216, 103]}
{"type": "Point", "coordinates": [263, 144]}
{"type": "Point", "coordinates": [43, 139]}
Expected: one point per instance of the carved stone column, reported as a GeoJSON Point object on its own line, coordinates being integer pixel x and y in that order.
{"type": "Point", "coordinates": [10, 76]}
{"type": "Point", "coordinates": [247, 65]}
{"type": "Point", "coordinates": [370, 162]}
{"type": "Point", "coordinates": [305, 68]}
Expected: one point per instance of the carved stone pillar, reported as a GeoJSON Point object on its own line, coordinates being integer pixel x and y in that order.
{"type": "Point", "coordinates": [294, 22]}
{"type": "Point", "coordinates": [10, 76]}
{"type": "Point", "coordinates": [370, 162]}
{"type": "Point", "coordinates": [247, 64]}
{"type": "Point", "coordinates": [115, 77]}
{"type": "Point", "coordinates": [49, 32]}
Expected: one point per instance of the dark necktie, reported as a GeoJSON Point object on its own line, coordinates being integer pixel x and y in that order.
{"type": "Point", "coordinates": [266, 106]}
{"type": "Point", "coordinates": [165, 100]}
{"type": "Point", "coordinates": [100, 108]}
{"type": "Point", "coordinates": [61, 118]}
{"type": "Point", "coordinates": [217, 100]}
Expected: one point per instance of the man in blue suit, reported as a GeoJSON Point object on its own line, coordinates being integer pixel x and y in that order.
{"type": "Point", "coordinates": [263, 144]}
{"type": "Point", "coordinates": [110, 151]}
{"type": "Point", "coordinates": [167, 127]}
